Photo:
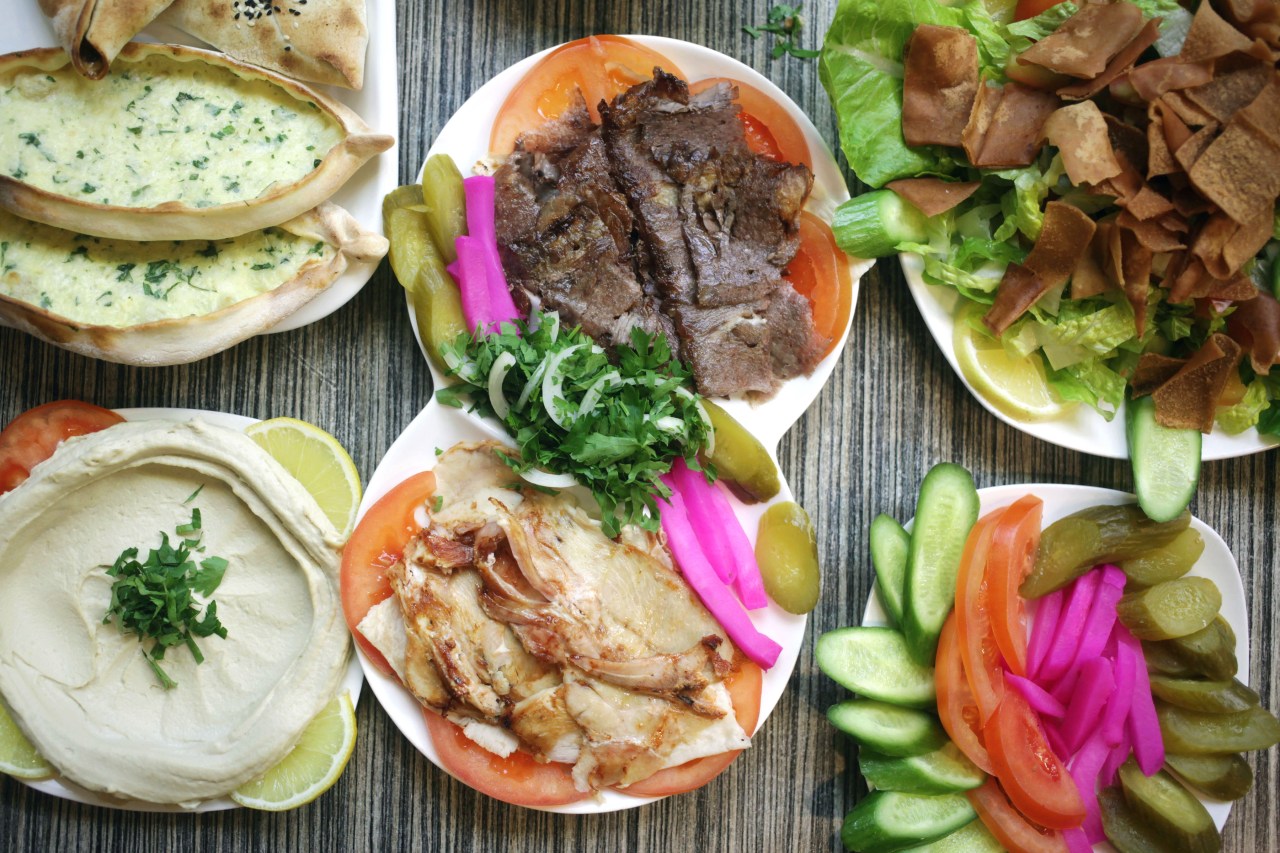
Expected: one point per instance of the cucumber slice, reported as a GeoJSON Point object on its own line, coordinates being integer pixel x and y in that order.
{"type": "Point", "coordinates": [943, 771]}
{"type": "Point", "coordinates": [945, 513]}
{"type": "Point", "coordinates": [874, 663]}
{"type": "Point", "coordinates": [1166, 462]}
{"type": "Point", "coordinates": [888, 729]}
{"type": "Point", "coordinates": [889, 544]}
{"type": "Point", "coordinates": [873, 224]}
{"type": "Point", "coordinates": [973, 837]}
{"type": "Point", "coordinates": [886, 821]}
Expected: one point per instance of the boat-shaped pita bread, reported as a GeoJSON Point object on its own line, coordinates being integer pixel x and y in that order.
{"type": "Point", "coordinates": [323, 42]}
{"type": "Point", "coordinates": [175, 143]}
{"type": "Point", "coordinates": [165, 302]}
{"type": "Point", "coordinates": [93, 31]}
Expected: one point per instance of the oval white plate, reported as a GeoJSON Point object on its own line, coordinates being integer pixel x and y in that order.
{"type": "Point", "coordinates": [441, 427]}
{"type": "Point", "coordinates": [377, 103]}
{"type": "Point", "coordinates": [466, 138]}
{"type": "Point", "coordinates": [1216, 563]}
{"type": "Point", "coordinates": [1079, 427]}
{"type": "Point", "coordinates": [67, 790]}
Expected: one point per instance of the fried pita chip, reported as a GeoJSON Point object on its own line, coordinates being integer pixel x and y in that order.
{"type": "Point", "coordinates": [1211, 37]}
{"type": "Point", "coordinates": [1135, 274]}
{"type": "Point", "coordinates": [1006, 127]}
{"type": "Point", "coordinates": [932, 196]}
{"type": "Point", "coordinates": [1019, 290]}
{"type": "Point", "coordinates": [1160, 160]}
{"type": "Point", "coordinates": [1146, 204]}
{"type": "Point", "coordinates": [1224, 245]}
{"type": "Point", "coordinates": [1119, 64]}
{"type": "Point", "coordinates": [1193, 115]}
{"type": "Point", "coordinates": [1151, 233]}
{"type": "Point", "coordinates": [1152, 79]}
{"type": "Point", "coordinates": [1237, 171]}
{"type": "Point", "coordinates": [1237, 81]}
{"type": "Point", "coordinates": [1152, 371]}
{"type": "Point", "coordinates": [1064, 240]}
{"type": "Point", "coordinates": [1127, 141]}
{"type": "Point", "coordinates": [1195, 146]}
{"type": "Point", "coordinates": [1188, 399]}
{"type": "Point", "coordinates": [1256, 325]}
{"type": "Point", "coordinates": [1088, 279]}
{"type": "Point", "coordinates": [1079, 132]}
{"type": "Point", "coordinates": [940, 82]}
{"type": "Point", "coordinates": [1083, 45]}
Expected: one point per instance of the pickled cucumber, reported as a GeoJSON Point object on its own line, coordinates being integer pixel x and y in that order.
{"type": "Point", "coordinates": [1171, 609]}
{"type": "Point", "coordinates": [1163, 660]}
{"type": "Point", "coordinates": [1122, 827]}
{"type": "Point", "coordinates": [405, 221]}
{"type": "Point", "coordinates": [1223, 777]}
{"type": "Point", "coordinates": [787, 551]}
{"type": "Point", "coordinates": [1211, 697]}
{"type": "Point", "coordinates": [1196, 733]}
{"type": "Point", "coordinates": [1101, 534]}
{"type": "Point", "coordinates": [1209, 652]}
{"type": "Point", "coordinates": [445, 203]}
{"type": "Point", "coordinates": [1167, 563]}
{"type": "Point", "coordinates": [740, 459]}
{"type": "Point", "coordinates": [1173, 812]}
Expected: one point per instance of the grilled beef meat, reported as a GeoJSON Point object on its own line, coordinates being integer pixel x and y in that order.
{"type": "Point", "coordinates": [661, 218]}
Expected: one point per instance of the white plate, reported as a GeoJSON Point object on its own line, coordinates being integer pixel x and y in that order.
{"type": "Point", "coordinates": [377, 103]}
{"type": "Point", "coordinates": [466, 139]}
{"type": "Point", "coordinates": [1216, 563]}
{"type": "Point", "coordinates": [441, 427]}
{"type": "Point", "coordinates": [351, 682]}
{"type": "Point", "coordinates": [1079, 427]}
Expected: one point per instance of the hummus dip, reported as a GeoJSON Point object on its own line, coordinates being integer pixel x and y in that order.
{"type": "Point", "coordinates": [83, 692]}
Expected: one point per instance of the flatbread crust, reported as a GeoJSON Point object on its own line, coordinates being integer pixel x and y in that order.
{"type": "Point", "coordinates": [94, 31]}
{"type": "Point", "coordinates": [182, 340]}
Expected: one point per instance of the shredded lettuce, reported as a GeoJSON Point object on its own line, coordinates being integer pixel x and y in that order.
{"type": "Point", "coordinates": [1091, 382]}
{"type": "Point", "coordinates": [1020, 34]}
{"type": "Point", "coordinates": [1238, 418]}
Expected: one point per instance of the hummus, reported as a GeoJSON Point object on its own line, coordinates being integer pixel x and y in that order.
{"type": "Point", "coordinates": [83, 692]}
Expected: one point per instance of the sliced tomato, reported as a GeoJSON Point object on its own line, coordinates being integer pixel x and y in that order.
{"type": "Point", "coordinates": [1013, 552]}
{"type": "Point", "coordinates": [744, 688]}
{"type": "Point", "coordinates": [956, 706]}
{"type": "Point", "coordinates": [375, 545]}
{"type": "Point", "coordinates": [770, 128]}
{"type": "Point", "coordinates": [820, 273]}
{"type": "Point", "coordinates": [601, 67]}
{"type": "Point", "coordinates": [977, 643]}
{"type": "Point", "coordinates": [1009, 827]}
{"type": "Point", "coordinates": [1030, 772]}
{"type": "Point", "coordinates": [519, 779]}
{"type": "Point", "coordinates": [1030, 8]}
{"type": "Point", "coordinates": [32, 436]}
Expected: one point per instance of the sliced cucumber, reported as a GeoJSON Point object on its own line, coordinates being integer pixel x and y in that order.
{"type": "Point", "coordinates": [889, 544]}
{"type": "Point", "coordinates": [1166, 462]}
{"type": "Point", "coordinates": [873, 224]}
{"type": "Point", "coordinates": [973, 837]}
{"type": "Point", "coordinates": [874, 662]}
{"type": "Point", "coordinates": [886, 821]}
{"type": "Point", "coordinates": [888, 729]}
{"type": "Point", "coordinates": [945, 513]}
{"type": "Point", "coordinates": [943, 771]}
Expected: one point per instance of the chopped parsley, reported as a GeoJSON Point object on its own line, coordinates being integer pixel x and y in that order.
{"type": "Point", "coordinates": [155, 599]}
{"type": "Point", "coordinates": [784, 22]}
{"type": "Point", "coordinates": [88, 189]}
{"type": "Point", "coordinates": [263, 266]}
{"type": "Point", "coordinates": [125, 272]}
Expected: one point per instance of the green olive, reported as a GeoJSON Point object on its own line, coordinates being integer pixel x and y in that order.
{"type": "Point", "coordinates": [787, 552]}
{"type": "Point", "coordinates": [740, 460]}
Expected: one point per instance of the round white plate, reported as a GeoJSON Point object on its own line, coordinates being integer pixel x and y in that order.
{"type": "Point", "coordinates": [377, 103]}
{"type": "Point", "coordinates": [1079, 427]}
{"type": "Point", "coordinates": [67, 790]}
{"type": "Point", "coordinates": [442, 427]}
{"type": "Point", "coordinates": [1216, 563]}
{"type": "Point", "coordinates": [466, 139]}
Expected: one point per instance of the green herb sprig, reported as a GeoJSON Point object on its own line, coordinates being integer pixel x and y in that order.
{"type": "Point", "coordinates": [784, 22]}
{"type": "Point", "coordinates": [154, 599]}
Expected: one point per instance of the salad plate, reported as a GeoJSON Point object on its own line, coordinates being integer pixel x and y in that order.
{"type": "Point", "coordinates": [352, 681]}
{"type": "Point", "coordinates": [1216, 563]}
{"type": "Point", "coordinates": [465, 137]}
{"type": "Point", "coordinates": [439, 427]}
{"type": "Point", "coordinates": [377, 103]}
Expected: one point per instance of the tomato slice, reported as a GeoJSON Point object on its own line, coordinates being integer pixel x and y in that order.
{"type": "Point", "coordinates": [820, 273]}
{"type": "Point", "coordinates": [744, 688]}
{"type": "Point", "coordinates": [956, 706]}
{"type": "Point", "coordinates": [34, 435]}
{"type": "Point", "coordinates": [1009, 827]}
{"type": "Point", "coordinates": [1013, 552]}
{"type": "Point", "coordinates": [977, 643]}
{"type": "Point", "coordinates": [601, 67]}
{"type": "Point", "coordinates": [770, 128]}
{"type": "Point", "coordinates": [375, 545]}
{"type": "Point", "coordinates": [519, 779]}
{"type": "Point", "coordinates": [1032, 775]}
{"type": "Point", "coordinates": [1030, 8]}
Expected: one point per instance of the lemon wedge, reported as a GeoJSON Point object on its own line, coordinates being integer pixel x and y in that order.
{"type": "Point", "coordinates": [318, 462]}
{"type": "Point", "coordinates": [1013, 384]}
{"type": "Point", "coordinates": [18, 757]}
{"type": "Point", "coordinates": [313, 765]}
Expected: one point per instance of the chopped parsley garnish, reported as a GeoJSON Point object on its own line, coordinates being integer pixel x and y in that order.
{"type": "Point", "coordinates": [784, 22]}
{"type": "Point", "coordinates": [225, 132]}
{"type": "Point", "coordinates": [640, 416]}
{"type": "Point", "coordinates": [155, 598]}
{"type": "Point", "coordinates": [125, 272]}
{"type": "Point", "coordinates": [32, 139]}
{"type": "Point", "coordinates": [263, 266]}
{"type": "Point", "coordinates": [438, 503]}
{"type": "Point", "coordinates": [88, 189]}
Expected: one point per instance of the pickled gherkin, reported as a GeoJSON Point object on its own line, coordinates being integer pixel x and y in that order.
{"type": "Point", "coordinates": [1166, 563]}
{"type": "Point", "coordinates": [1122, 827]}
{"type": "Point", "coordinates": [444, 201]}
{"type": "Point", "coordinates": [1163, 660]}
{"type": "Point", "coordinates": [1101, 534]}
{"type": "Point", "coordinates": [740, 459]}
{"type": "Point", "coordinates": [1210, 697]}
{"type": "Point", "coordinates": [1210, 652]}
{"type": "Point", "coordinates": [1171, 609]}
{"type": "Point", "coordinates": [1170, 810]}
{"type": "Point", "coordinates": [1195, 733]}
{"type": "Point", "coordinates": [1223, 777]}
{"type": "Point", "coordinates": [405, 220]}
{"type": "Point", "coordinates": [787, 551]}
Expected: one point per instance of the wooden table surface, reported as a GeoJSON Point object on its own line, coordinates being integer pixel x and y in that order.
{"type": "Point", "coordinates": [892, 409]}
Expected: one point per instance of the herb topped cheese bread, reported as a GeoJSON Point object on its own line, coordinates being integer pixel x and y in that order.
{"type": "Point", "coordinates": [174, 143]}
{"type": "Point", "coordinates": [170, 302]}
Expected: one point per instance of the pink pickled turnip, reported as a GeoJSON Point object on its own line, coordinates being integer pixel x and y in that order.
{"type": "Point", "coordinates": [1143, 725]}
{"type": "Point", "coordinates": [1094, 688]}
{"type": "Point", "coordinates": [1102, 614]}
{"type": "Point", "coordinates": [693, 487]}
{"type": "Point", "coordinates": [479, 190]}
{"type": "Point", "coordinates": [1040, 700]}
{"type": "Point", "coordinates": [1062, 652]}
{"type": "Point", "coordinates": [1046, 625]}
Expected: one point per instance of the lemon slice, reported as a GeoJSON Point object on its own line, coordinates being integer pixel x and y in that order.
{"type": "Point", "coordinates": [313, 765]}
{"type": "Point", "coordinates": [1015, 385]}
{"type": "Point", "coordinates": [18, 757]}
{"type": "Point", "coordinates": [318, 462]}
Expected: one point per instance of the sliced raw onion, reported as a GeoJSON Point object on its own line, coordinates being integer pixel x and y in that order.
{"type": "Point", "coordinates": [497, 375]}
{"type": "Point", "coordinates": [551, 384]}
{"type": "Point", "coordinates": [669, 424]}
{"type": "Point", "coordinates": [589, 399]}
{"type": "Point", "coordinates": [703, 415]}
{"type": "Point", "coordinates": [534, 381]}
{"type": "Point", "coordinates": [547, 480]}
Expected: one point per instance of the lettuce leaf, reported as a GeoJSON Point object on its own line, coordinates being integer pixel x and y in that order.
{"type": "Point", "coordinates": [1091, 382]}
{"type": "Point", "coordinates": [1238, 418]}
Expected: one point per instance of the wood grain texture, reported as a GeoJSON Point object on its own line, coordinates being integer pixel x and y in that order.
{"type": "Point", "coordinates": [892, 409]}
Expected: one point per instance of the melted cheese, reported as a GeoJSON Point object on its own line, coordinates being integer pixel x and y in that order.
{"type": "Point", "coordinates": [99, 281]}
{"type": "Point", "coordinates": [158, 131]}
